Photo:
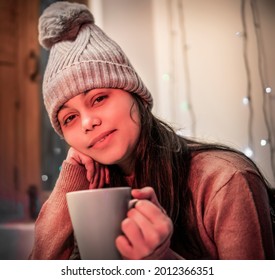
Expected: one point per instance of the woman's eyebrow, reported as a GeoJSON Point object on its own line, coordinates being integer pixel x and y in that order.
{"type": "Point", "coordinates": [93, 93]}
{"type": "Point", "coordinates": [86, 91]}
{"type": "Point", "coordinates": [64, 106]}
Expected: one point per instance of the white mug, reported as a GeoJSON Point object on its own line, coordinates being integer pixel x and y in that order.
{"type": "Point", "coordinates": [96, 217]}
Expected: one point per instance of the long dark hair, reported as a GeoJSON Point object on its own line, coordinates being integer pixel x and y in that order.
{"type": "Point", "coordinates": [162, 159]}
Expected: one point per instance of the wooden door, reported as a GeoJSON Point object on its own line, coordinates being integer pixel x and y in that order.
{"type": "Point", "coordinates": [19, 106]}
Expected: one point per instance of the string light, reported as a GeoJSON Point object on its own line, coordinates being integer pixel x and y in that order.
{"type": "Point", "coordinates": [248, 152]}
{"type": "Point", "coordinates": [184, 106]}
{"type": "Point", "coordinates": [263, 78]}
{"type": "Point", "coordinates": [166, 77]}
{"type": "Point", "coordinates": [263, 142]}
{"type": "Point", "coordinates": [268, 90]}
{"type": "Point", "coordinates": [240, 34]}
{"type": "Point", "coordinates": [181, 132]}
{"type": "Point", "coordinates": [44, 178]}
{"type": "Point", "coordinates": [57, 150]}
{"type": "Point", "coordinates": [184, 46]}
{"type": "Point", "coordinates": [262, 66]}
{"type": "Point", "coordinates": [245, 101]}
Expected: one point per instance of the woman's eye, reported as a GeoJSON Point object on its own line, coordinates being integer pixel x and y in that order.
{"type": "Point", "coordinates": [68, 119]}
{"type": "Point", "coordinates": [100, 99]}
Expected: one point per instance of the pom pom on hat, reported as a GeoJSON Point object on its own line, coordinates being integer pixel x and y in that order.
{"type": "Point", "coordinates": [62, 21]}
{"type": "Point", "coordinates": [82, 57]}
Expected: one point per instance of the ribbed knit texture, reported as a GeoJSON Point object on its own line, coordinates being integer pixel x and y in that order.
{"type": "Point", "coordinates": [90, 60]}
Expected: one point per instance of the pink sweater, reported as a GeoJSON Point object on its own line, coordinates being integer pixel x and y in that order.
{"type": "Point", "coordinates": [232, 214]}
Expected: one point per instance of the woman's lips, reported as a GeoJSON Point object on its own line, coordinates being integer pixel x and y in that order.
{"type": "Point", "coordinates": [100, 138]}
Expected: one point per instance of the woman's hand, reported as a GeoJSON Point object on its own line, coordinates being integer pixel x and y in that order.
{"type": "Point", "coordinates": [96, 174]}
{"type": "Point", "coordinates": [147, 229]}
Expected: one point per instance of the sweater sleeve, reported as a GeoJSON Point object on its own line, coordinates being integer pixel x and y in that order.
{"type": "Point", "coordinates": [53, 237]}
{"type": "Point", "coordinates": [237, 219]}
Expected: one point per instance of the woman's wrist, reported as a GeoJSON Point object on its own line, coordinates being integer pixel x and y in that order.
{"type": "Point", "coordinates": [72, 177]}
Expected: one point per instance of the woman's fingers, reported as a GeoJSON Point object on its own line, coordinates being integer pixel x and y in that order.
{"type": "Point", "coordinates": [154, 224]}
{"type": "Point", "coordinates": [146, 193]}
{"type": "Point", "coordinates": [96, 173]}
{"type": "Point", "coordinates": [147, 231]}
{"type": "Point", "coordinates": [90, 166]}
{"type": "Point", "coordinates": [132, 235]}
{"type": "Point", "coordinates": [102, 176]}
{"type": "Point", "coordinates": [153, 212]}
{"type": "Point", "coordinates": [99, 177]}
{"type": "Point", "coordinates": [131, 245]}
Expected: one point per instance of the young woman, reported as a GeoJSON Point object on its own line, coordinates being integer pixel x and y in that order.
{"type": "Point", "coordinates": [195, 200]}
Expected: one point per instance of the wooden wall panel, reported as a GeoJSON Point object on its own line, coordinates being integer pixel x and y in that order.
{"type": "Point", "coordinates": [8, 134]}
{"type": "Point", "coordinates": [19, 105]}
{"type": "Point", "coordinates": [8, 24]}
{"type": "Point", "coordinates": [8, 91]}
{"type": "Point", "coordinates": [29, 95]}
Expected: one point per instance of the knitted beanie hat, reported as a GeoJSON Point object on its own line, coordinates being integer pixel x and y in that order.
{"type": "Point", "coordinates": [82, 57]}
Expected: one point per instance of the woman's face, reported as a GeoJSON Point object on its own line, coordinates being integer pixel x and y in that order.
{"type": "Point", "coordinates": [103, 124]}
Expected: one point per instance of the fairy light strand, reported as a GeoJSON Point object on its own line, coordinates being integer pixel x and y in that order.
{"type": "Point", "coordinates": [172, 71]}
{"type": "Point", "coordinates": [186, 66]}
{"type": "Point", "coordinates": [248, 99]}
{"type": "Point", "coordinates": [262, 66]}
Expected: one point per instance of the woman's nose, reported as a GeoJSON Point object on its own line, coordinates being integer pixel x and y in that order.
{"type": "Point", "coordinates": [89, 123]}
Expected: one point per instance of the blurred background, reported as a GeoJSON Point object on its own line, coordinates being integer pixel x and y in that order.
{"type": "Point", "coordinates": [209, 65]}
